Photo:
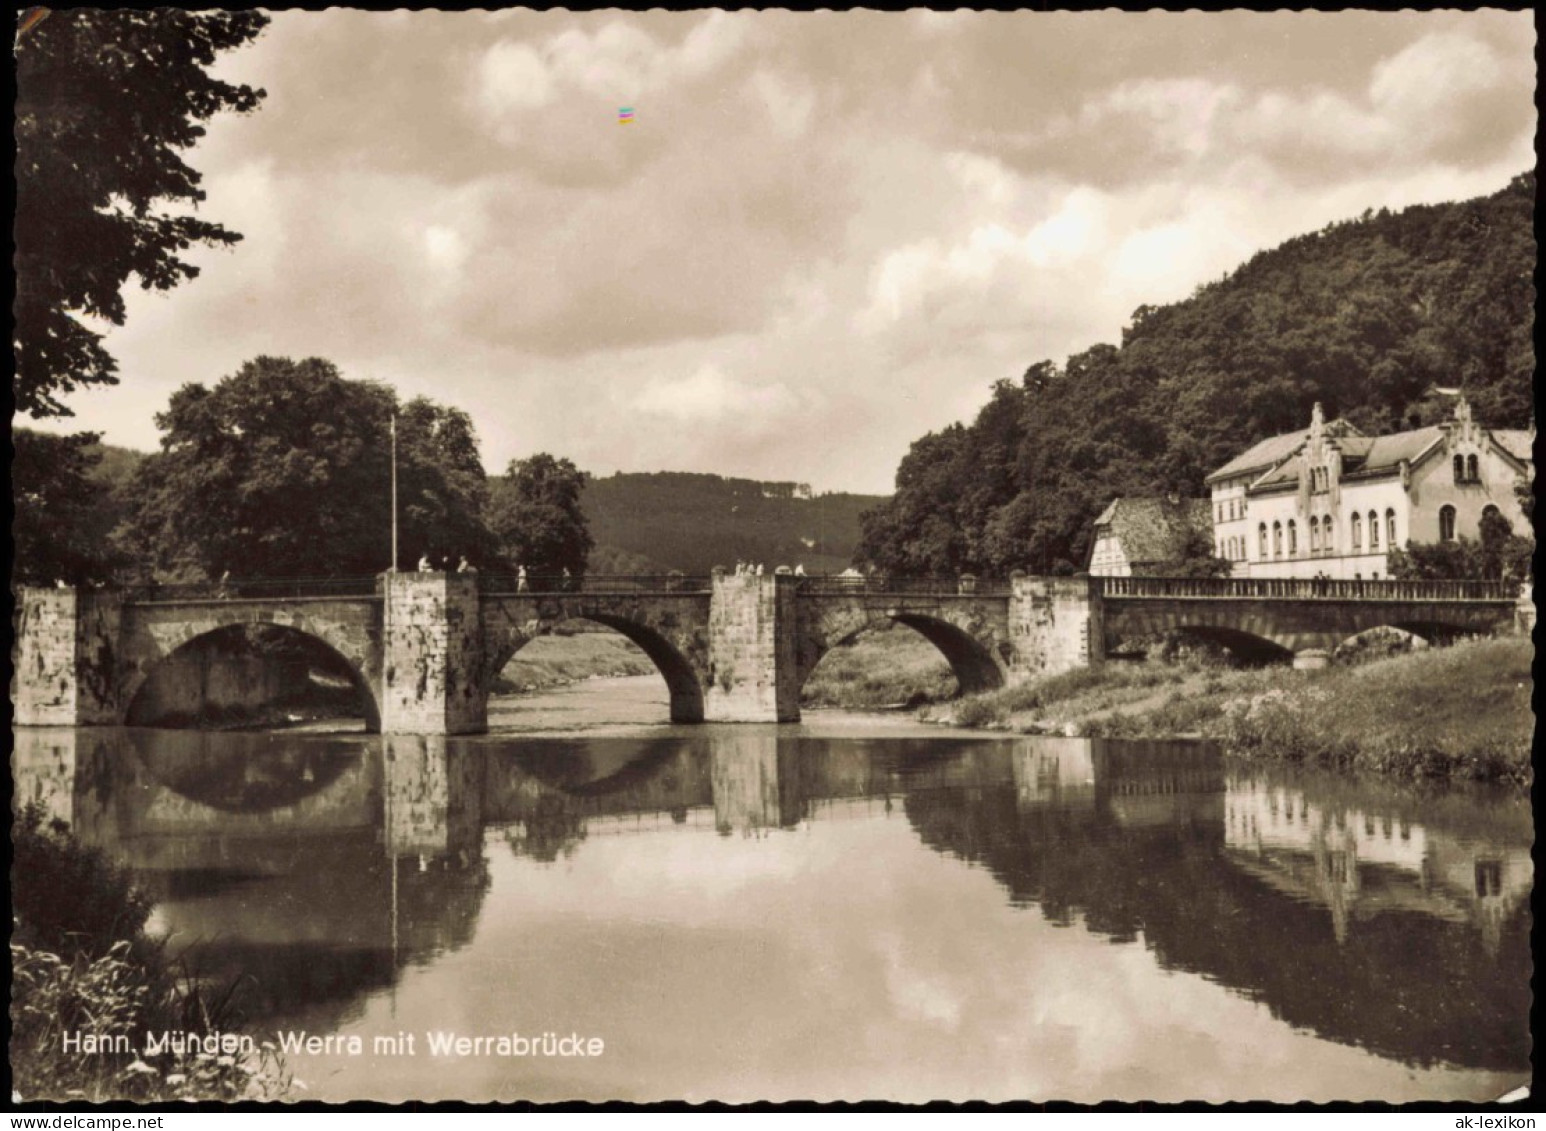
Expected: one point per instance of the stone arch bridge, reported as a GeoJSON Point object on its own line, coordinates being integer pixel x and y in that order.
{"type": "Point", "coordinates": [424, 647]}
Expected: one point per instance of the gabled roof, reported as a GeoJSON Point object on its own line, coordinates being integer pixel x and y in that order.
{"type": "Point", "coordinates": [1269, 453]}
{"type": "Point", "coordinates": [1517, 442]}
{"type": "Point", "coordinates": [1363, 455]}
{"type": "Point", "coordinates": [1389, 451]}
{"type": "Point", "coordinates": [1262, 454]}
{"type": "Point", "coordinates": [1155, 529]}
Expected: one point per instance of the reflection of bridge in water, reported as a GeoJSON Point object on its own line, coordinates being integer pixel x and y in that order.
{"type": "Point", "coordinates": [423, 649]}
{"type": "Point", "coordinates": [323, 864]}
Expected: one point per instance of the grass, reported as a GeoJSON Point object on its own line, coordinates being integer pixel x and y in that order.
{"type": "Point", "coordinates": [881, 668]}
{"type": "Point", "coordinates": [1461, 712]}
{"type": "Point", "coordinates": [553, 661]}
{"type": "Point", "coordinates": [81, 963]}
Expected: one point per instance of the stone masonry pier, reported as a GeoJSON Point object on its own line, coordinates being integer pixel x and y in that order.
{"type": "Point", "coordinates": [424, 648]}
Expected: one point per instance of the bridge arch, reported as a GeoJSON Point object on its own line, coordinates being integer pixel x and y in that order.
{"type": "Point", "coordinates": [966, 641]}
{"type": "Point", "coordinates": [180, 638]}
{"type": "Point", "coordinates": [1248, 647]}
{"type": "Point", "coordinates": [682, 680]}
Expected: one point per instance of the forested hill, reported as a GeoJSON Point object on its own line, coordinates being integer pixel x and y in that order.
{"type": "Point", "coordinates": [1367, 316]}
{"type": "Point", "coordinates": [643, 523]}
{"type": "Point", "coordinates": [677, 520]}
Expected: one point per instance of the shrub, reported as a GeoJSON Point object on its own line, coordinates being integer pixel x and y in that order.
{"type": "Point", "coordinates": [66, 897]}
{"type": "Point", "coordinates": [81, 963]}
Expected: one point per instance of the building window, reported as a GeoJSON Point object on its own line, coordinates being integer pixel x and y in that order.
{"type": "Point", "coordinates": [1472, 472]}
{"type": "Point", "coordinates": [1390, 529]}
{"type": "Point", "coordinates": [1459, 463]}
{"type": "Point", "coordinates": [1356, 525]}
{"type": "Point", "coordinates": [1374, 531]}
{"type": "Point", "coordinates": [1262, 530]}
{"type": "Point", "coordinates": [1293, 538]}
{"type": "Point", "coordinates": [1328, 535]}
{"type": "Point", "coordinates": [1277, 539]}
{"type": "Point", "coordinates": [1446, 524]}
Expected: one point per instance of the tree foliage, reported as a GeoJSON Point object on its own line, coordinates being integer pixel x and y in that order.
{"type": "Point", "coordinates": [535, 513]}
{"type": "Point", "coordinates": [56, 532]}
{"type": "Point", "coordinates": [284, 470]}
{"type": "Point", "coordinates": [1367, 317]}
{"type": "Point", "coordinates": [1497, 555]}
{"type": "Point", "coordinates": [106, 102]}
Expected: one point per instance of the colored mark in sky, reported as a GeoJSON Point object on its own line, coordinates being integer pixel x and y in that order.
{"type": "Point", "coordinates": [625, 115]}
{"type": "Point", "coordinates": [31, 19]}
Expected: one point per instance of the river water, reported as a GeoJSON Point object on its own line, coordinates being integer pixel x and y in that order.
{"type": "Point", "coordinates": [854, 907]}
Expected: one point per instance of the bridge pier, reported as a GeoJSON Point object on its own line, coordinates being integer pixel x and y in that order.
{"type": "Point", "coordinates": [753, 669]}
{"type": "Point", "coordinates": [432, 655]}
{"type": "Point", "coordinates": [66, 657]}
{"type": "Point", "coordinates": [1056, 624]}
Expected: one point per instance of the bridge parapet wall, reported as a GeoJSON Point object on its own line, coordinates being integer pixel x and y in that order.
{"type": "Point", "coordinates": [67, 647]}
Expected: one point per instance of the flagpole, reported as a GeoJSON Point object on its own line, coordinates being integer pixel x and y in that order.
{"type": "Point", "coordinates": [394, 492]}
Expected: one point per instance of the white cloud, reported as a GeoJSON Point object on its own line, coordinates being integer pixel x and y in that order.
{"type": "Point", "coordinates": [1432, 76]}
{"type": "Point", "coordinates": [708, 396]}
{"type": "Point", "coordinates": [512, 76]}
{"type": "Point", "coordinates": [619, 62]}
{"type": "Point", "coordinates": [788, 105]}
{"type": "Point", "coordinates": [989, 259]}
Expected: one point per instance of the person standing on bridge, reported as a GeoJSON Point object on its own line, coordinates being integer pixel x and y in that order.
{"type": "Point", "coordinates": [520, 578]}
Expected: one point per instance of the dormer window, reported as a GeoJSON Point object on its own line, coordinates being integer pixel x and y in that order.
{"type": "Point", "coordinates": [1472, 472]}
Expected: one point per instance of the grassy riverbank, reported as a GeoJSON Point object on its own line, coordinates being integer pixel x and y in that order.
{"type": "Point", "coordinates": [554, 661]}
{"type": "Point", "coordinates": [1460, 712]}
{"type": "Point", "coordinates": [83, 969]}
{"type": "Point", "coordinates": [884, 668]}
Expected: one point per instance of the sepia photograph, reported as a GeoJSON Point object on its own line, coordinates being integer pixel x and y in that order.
{"type": "Point", "coordinates": [731, 557]}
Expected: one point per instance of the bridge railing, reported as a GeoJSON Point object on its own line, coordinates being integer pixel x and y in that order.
{"type": "Point", "coordinates": [253, 589]}
{"type": "Point", "coordinates": [1306, 589]}
{"type": "Point", "coordinates": [505, 583]}
{"type": "Point", "coordinates": [836, 585]}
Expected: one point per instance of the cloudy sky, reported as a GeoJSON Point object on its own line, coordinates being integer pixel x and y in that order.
{"type": "Point", "coordinates": [822, 235]}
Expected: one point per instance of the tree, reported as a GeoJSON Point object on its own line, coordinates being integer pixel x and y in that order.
{"type": "Point", "coordinates": [106, 100]}
{"type": "Point", "coordinates": [1499, 556]}
{"type": "Point", "coordinates": [535, 513]}
{"type": "Point", "coordinates": [283, 470]}
{"type": "Point", "coordinates": [56, 499]}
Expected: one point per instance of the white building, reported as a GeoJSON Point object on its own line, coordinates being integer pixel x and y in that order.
{"type": "Point", "coordinates": [1330, 501]}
